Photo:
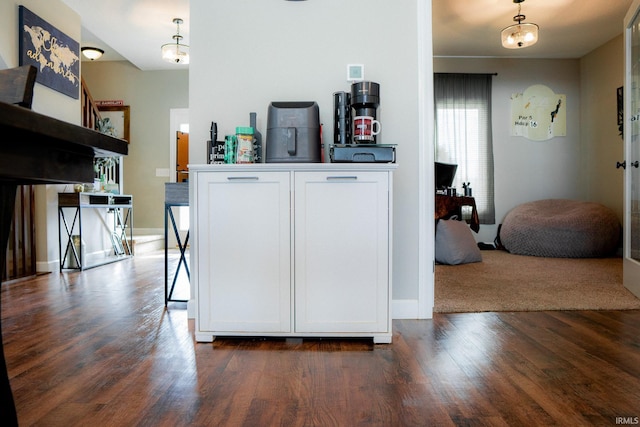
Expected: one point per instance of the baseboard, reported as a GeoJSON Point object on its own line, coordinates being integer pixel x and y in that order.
{"type": "Point", "coordinates": [191, 309]}
{"type": "Point", "coordinates": [48, 266]}
{"type": "Point", "coordinates": [632, 286]}
{"type": "Point", "coordinates": [148, 231]}
{"type": "Point", "coordinates": [54, 265]}
{"type": "Point", "coordinates": [408, 309]}
{"type": "Point", "coordinates": [400, 309]}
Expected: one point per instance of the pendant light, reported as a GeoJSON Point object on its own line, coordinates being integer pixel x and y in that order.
{"type": "Point", "coordinates": [176, 52]}
{"type": "Point", "coordinates": [519, 35]}
{"type": "Point", "coordinates": [92, 53]}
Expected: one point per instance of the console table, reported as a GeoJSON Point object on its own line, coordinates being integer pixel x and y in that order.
{"type": "Point", "coordinates": [446, 206]}
{"type": "Point", "coordinates": [37, 149]}
{"type": "Point", "coordinates": [121, 233]}
{"type": "Point", "coordinates": [175, 194]}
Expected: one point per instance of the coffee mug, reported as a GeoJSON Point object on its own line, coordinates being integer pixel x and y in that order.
{"type": "Point", "coordinates": [364, 128]}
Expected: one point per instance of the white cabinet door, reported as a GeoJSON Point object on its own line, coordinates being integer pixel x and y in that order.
{"type": "Point", "coordinates": [341, 244]}
{"type": "Point", "coordinates": [244, 252]}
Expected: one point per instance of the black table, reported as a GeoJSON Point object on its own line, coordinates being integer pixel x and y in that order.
{"type": "Point", "coordinates": [37, 149]}
{"type": "Point", "coordinates": [446, 206]}
{"type": "Point", "coordinates": [175, 194]}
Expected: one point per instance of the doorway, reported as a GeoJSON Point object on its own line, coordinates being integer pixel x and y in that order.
{"type": "Point", "coordinates": [178, 167]}
{"type": "Point", "coordinates": [182, 156]}
{"type": "Point", "coordinates": [178, 122]}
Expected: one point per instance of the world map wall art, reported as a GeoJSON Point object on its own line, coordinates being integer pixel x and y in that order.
{"type": "Point", "coordinates": [53, 53]}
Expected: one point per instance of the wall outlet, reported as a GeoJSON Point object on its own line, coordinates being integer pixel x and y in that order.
{"type": "Point", "coordinates": [162, 172]}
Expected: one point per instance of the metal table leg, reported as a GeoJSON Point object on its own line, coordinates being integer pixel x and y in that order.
{"type": "Point", "coordinates": [182, 246]}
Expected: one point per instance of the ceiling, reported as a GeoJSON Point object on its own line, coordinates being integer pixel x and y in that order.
{"type": "Point", "coordinates": [135, 29]}
{"type": "Point", "coordinates": [132, 30]}
{"type": "Point", "coordinates": [568, 28]}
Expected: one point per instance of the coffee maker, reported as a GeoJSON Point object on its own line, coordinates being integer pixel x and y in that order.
{"type": "Point", "coordinates": [365, 99]}
{"type": "Point", "coordinates": [362, 101]}
{"type": "Point", "coordinates": [356, 126]}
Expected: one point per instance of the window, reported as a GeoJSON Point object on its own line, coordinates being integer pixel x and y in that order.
{"type": "Point", "coordinates": [463, 134]}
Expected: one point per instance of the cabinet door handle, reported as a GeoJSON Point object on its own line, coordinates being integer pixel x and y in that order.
{"type": "Point", "coordinates": [243, 178]}
{"type": "Point", "coordinates": [331, 178]}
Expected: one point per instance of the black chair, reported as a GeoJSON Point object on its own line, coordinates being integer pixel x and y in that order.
{"type": "Point", "coordinates": [16, 85]}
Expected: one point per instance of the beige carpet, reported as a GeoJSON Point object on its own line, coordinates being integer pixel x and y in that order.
{"type": "Point", "coordinates": [506, 282]}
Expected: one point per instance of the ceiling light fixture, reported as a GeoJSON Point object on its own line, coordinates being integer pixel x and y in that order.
{"type": "Point", "coordinates": [519, 35]}
{"type": "Point", "coordinates": [176, 52]}
{"type": "Point", "coordinates": [92, 53]}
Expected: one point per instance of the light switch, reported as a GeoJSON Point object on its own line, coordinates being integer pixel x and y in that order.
{"type": "Point", "coordinates": [355, 72]}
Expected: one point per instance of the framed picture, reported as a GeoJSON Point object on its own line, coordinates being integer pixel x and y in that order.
{"type": "Point", "coordinates": [119, 118]}
{"type": "Point", "coordinates": [52, 52]}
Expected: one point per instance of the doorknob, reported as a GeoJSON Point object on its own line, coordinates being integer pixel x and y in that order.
{"type": "Point", "coordinates": [622, 165]}
{"type": "Point", "coordinates": [635, 164]}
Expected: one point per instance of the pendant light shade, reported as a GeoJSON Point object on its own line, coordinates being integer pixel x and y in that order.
{"type": "Point", "coordinates": [176, 52]}
{"type": "Point", "coordinates": [521, 34]}
{"type": "Point", "coordinates": [92, 53]}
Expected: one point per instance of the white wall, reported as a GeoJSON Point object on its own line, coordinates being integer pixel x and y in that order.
{"type": "Point", "coordinates": [529, 170]}
{"type": "Point", "coordinates": [247, 53]}
{"type": "Point", "coordinates": [580, 165]}
{"type": "Point", "coordinates": [601, 73]}
{"type": "Point", "coordinates": [45, 100]}
{"type": "Point", "coordinates": [151, 96]}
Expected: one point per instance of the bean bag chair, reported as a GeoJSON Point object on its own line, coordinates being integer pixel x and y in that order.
{"type": "Point", "coordinates": [560, 228]}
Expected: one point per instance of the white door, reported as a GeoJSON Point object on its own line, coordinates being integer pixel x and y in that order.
{"type": "Point", "coordinates": [244, 243]}
{"type": "Point", "coordinates": [341, 252]}
{"type": "Point", "coordinates": [632, 150]}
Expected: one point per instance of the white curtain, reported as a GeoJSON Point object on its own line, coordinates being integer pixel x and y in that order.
{"type": "Point", "coordinates": [463, 134]}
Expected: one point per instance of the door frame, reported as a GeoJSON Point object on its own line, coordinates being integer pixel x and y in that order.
{"type": "Point", "coordinates": [631, 267]}
{"type": "Point", "coordinates": [177, 117]}
{"type": "Point", "coordinates": [426, 181]}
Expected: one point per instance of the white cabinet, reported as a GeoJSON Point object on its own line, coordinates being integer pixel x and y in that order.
{"type": "Point", "coordinates": [243, 252]}
{"type": "Point", "coordinates": [292, 250]}
{"type": "Point", "coordinates": [341, 251]}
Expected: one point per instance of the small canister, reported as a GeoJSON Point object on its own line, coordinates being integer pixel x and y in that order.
{"type": "Point", "coordinates": [230, 149]}
{"type": "Point", "coordinates": [244, 150]}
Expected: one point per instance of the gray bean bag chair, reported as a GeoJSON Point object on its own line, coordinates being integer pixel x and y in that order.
{"type": "Point", "coordinates": [560, 228]}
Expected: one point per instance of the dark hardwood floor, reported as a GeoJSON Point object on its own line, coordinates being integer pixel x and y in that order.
{"type": "Point", "coordinates": [98, 348]}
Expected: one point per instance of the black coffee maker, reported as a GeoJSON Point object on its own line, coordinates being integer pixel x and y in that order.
{"type": "Point", "coordinates": [355, 127]}
{"type": "Point", "coordinates": [363, 100]}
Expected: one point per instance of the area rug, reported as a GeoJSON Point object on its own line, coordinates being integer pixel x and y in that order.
{"type": "Point", "coordinates": [506, 282]}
